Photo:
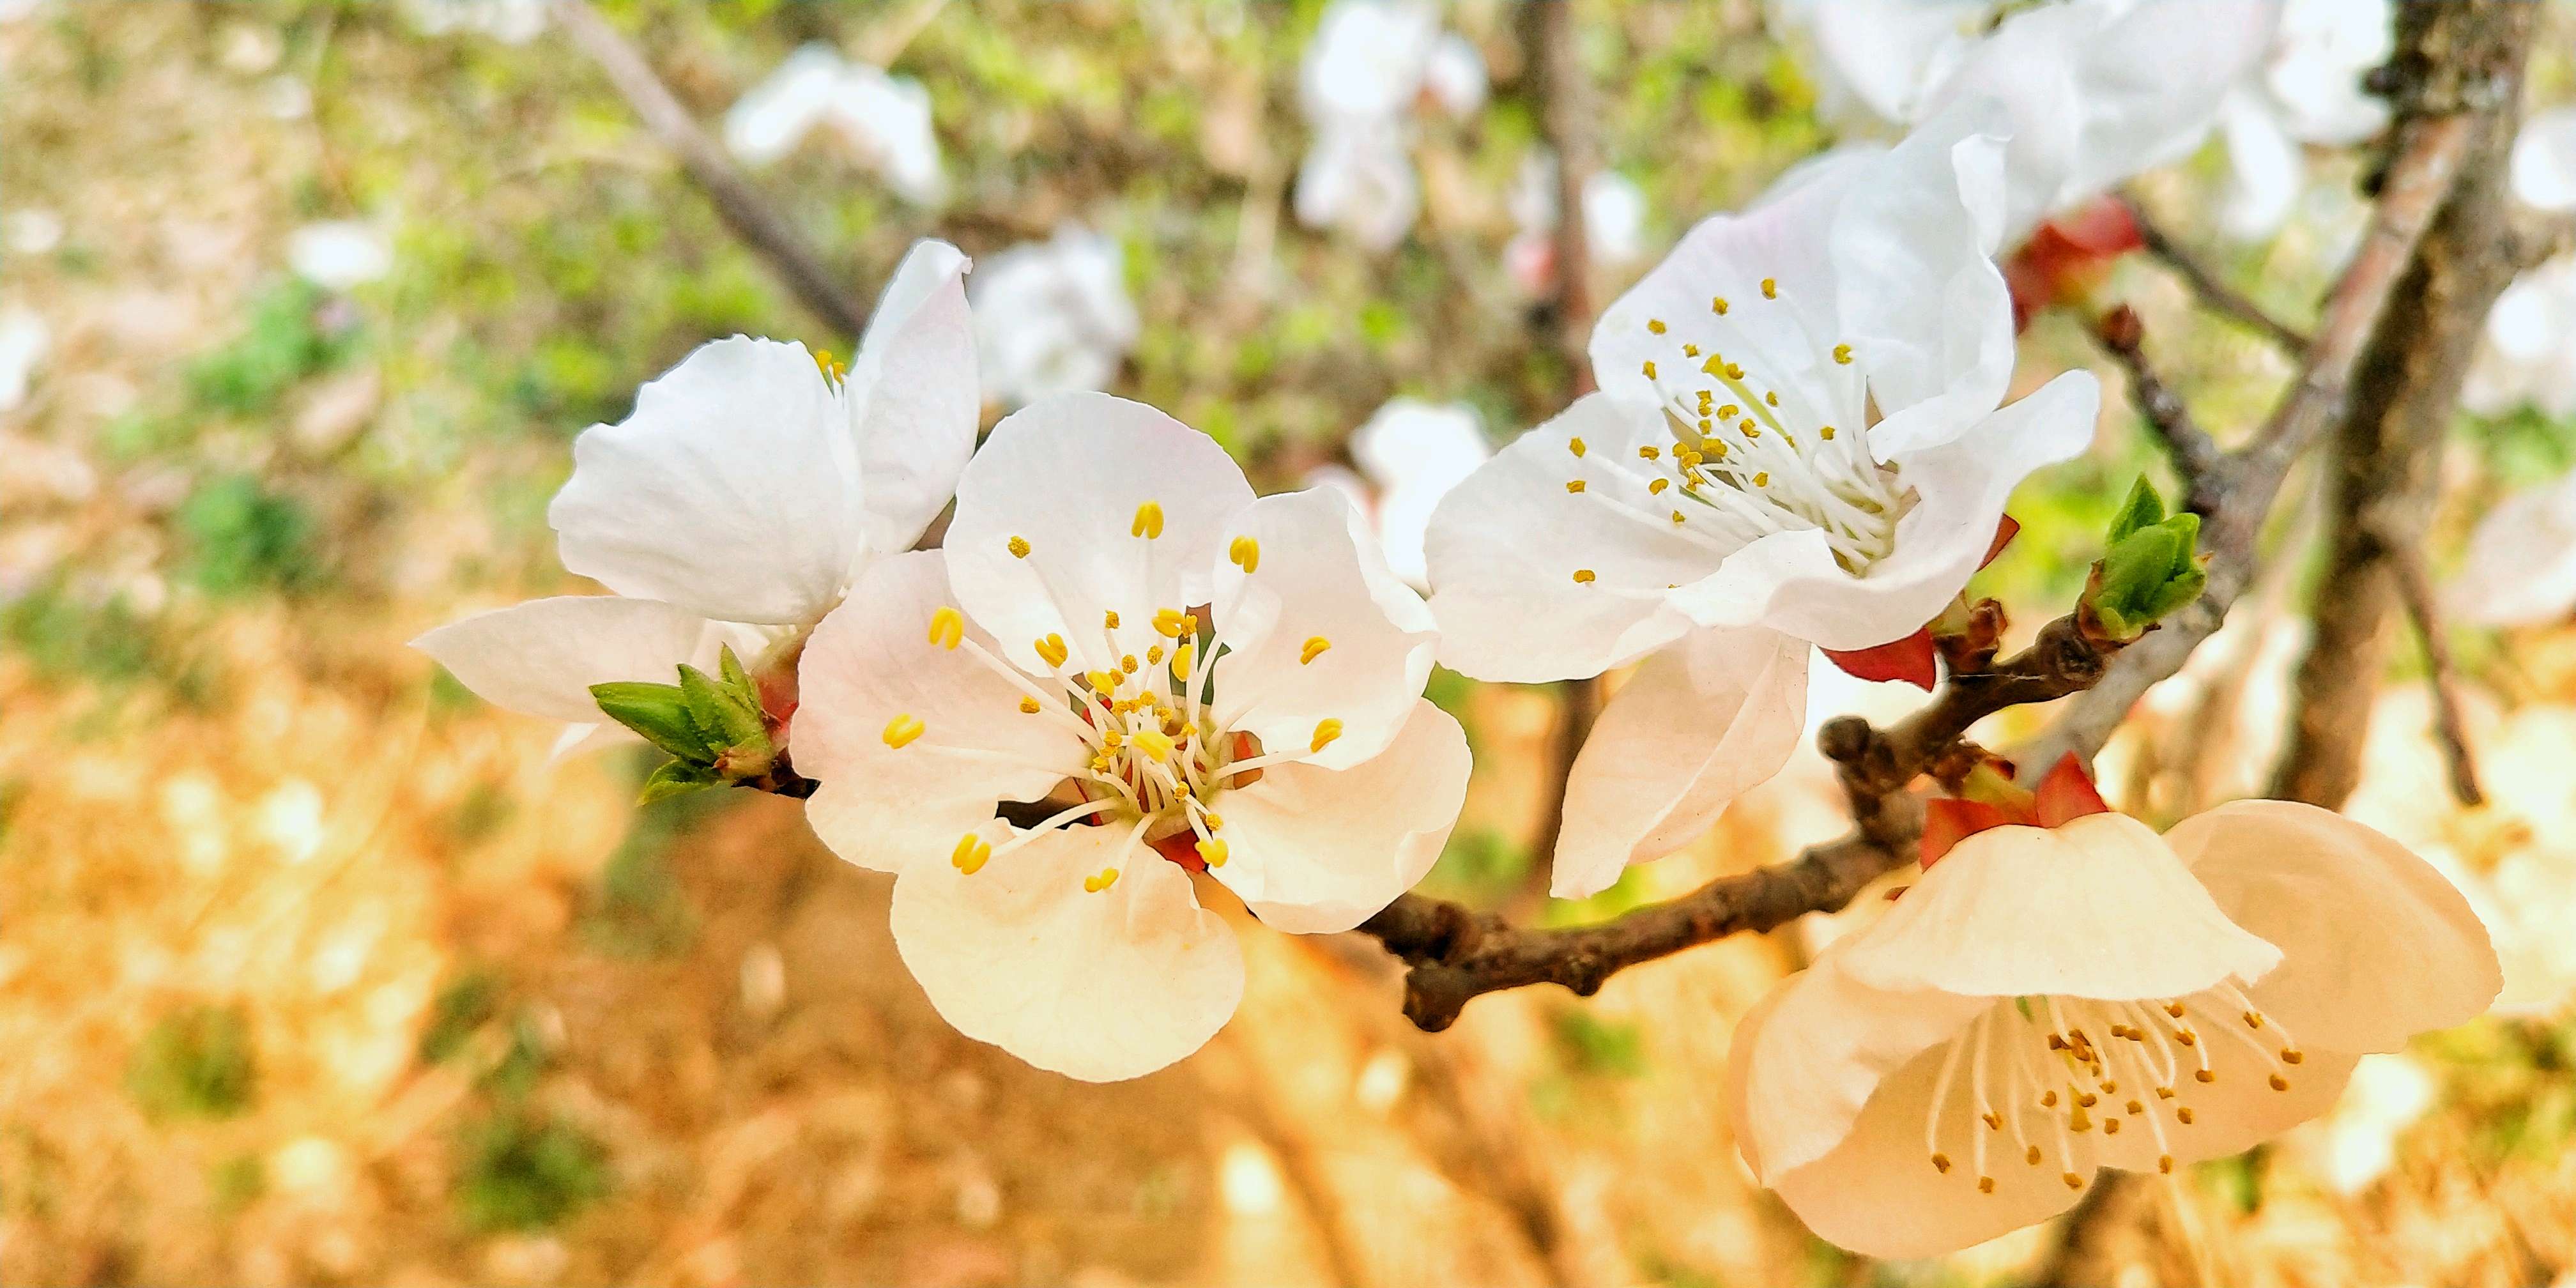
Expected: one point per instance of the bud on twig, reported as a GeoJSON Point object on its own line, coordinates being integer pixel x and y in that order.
{"type": "Point", "coordinates": [711, 725]}
{"type": "Point", "coordinates": [2150, 566]}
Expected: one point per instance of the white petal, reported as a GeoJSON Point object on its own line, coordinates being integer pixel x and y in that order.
{"type": "Point", "coordinates": [1067, 474]}
{"type": "Point", "coordinates": [1313, 850]}
{"type": "Point", "coordinates": [771, 118]}
{"type": "Point", "coordinates": [1318, 578]}
{"type": "Point", "coordinates": [731, 491]}
{"type": "Point", "coordinates": [1790, 582]}
{"type": "Point", "coordinates": [2098, 908]}
{"type": "Point", "coordinates": [2264, 168]}
{"type": "Point", "coordinates": [1053, 316]}
{"type": "Point", "coordinates": [2376, 946]}
{"type": "Point", "coordinates": [2325, 51]}
{"type": "Point", "coordinates": [2544, 160]}
{"type": "Point", "coordinates": [2233, 1114]}
{"type": "Point", "coordinates": [1504, 545]}
{"type": "Point", "coordinates": [2520, 567]}
{"type": "Point", "coordinates": [1360, 177]}
{"type": "Point", "coordinates": [887, 119]}
{"type": "Point", "coordinates": [913, 396]}
{"type": "Point", "coordinates": [1415, 452]}
{"type": "Point", "coordinates": [541, 657]}
{"type": "Point", "coordinates": [1803, 1063]}
{"type": "Point", "coordinates": [1703, 721]}
{"type": "Point", "coordinates": [1889, 52]}
{"type": "Point", "coordinates": [872, 660]}
{"type": "Point", "coordinates": [1093, 985]}
{"type": "Point", "coordinates": [1921, 300]}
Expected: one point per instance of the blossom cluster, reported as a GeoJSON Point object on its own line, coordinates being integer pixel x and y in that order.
{"type": "Point", "coordinates": [1118, 703]}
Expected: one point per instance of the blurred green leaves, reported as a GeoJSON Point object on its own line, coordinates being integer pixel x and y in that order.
{"type": "Point", "coordinates": [2150, 567]}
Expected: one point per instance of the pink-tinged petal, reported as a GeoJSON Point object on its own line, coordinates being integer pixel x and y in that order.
{"type": "Point", "coordinates": [1877, 1193]}
{"type": "Point", "coordinates": [1321, 629]}
{"type": "Point", "coordinates": [1067, 475]}
{"type": "Point", "coordinates": [1093, 984]}
{"type": "Point", "coordinates": [2068, 793]}
{"type": "Point", "coordinates": [1817, 1051]}
{"type": "Point", "coordinates": [1910, 659]}
{"type": "Point", "coordinates": [1505, 547]}
{"type": "Point", "coordinates": [1703, 721]}
{"type": "Point", "coordinates": [541, 657]}
{"type": "Point", "coordinates": [1948, 820]}
{"type": "Point", "coordinates": [2376, 946]}
{"type": "Point", "coordinates": [2099, 908]}
{"type": "Point", "coordinates": [1790, 582]}
{"type": "Point", "coordinates": [2235, 1111]}
{"type": "Point", "coordinates": [1313, 850]}
{"type": "Point", "coordinates": [913, 397]}
{"type": "Point", "coordinates": [871, 661]}
{"type": "Point", "coordinates": [732, 491]}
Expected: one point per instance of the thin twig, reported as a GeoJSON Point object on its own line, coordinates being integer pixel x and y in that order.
{"type": "Point", "coordinates": [2406, 567]}
{"type": "Point", "coordinates": [1457, 955]}
{"type": "Point", "coordinates": [2222, 299]}
{"type": "Point", "coordinates": [737, 202]}
{"type": "Point", "coordinates": [2196, 456]}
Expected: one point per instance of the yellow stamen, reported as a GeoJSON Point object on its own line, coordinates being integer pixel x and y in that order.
{"type": "Point", "coordinates": [1770, 288]}
{"type": "Point", "coordinates": [1128, 664]}
{"type": "Point", "coordinates": [901, 730]}
{"type": "Point", "coordinates": [1110, 619]}
{"type": "Point", "coordinates": [1154, 743]}
{"type": "Point", "coordinates": [1656, 487]}
{"type": "Point", "coordinates": [1719, 304]}
{"type": "Point", "coordinates": [1103, 681]}
{"type": "Point", "coordinates": [1031, 705]}
{"type": "Point", "coordinates": [1574, 445]}
{"type": "Point", "coordinates": [1181, 659]}
{"type": "Point", "coordinates": [1677, 516]}
{"type": "Point", "coordinates": [947, 627]}
{"type": "Point", "coordinates": [1650, 368]}
{"type": "Point", "coordinates": [1212, 852]}
{"type": "Point", "coordinates": [1154, 655]}
{"type": "Point", "coordinates": [1245, 552]}
{"type": "Point", "coordinates": [1149, 521]}
{"type": "Point", "coordinates": [1315, 646]}
{"type": "Point", "coordinates": [1019, 547]}
{"type": "Point", "coordinates": [1051, 650]}
{"type": "Point", "coordinates": [1326, 730]}
{"type": "Point", "coordinates": [1655, 325]}
{"type": "Point", "coordinates": [1095, 884]}
{"type": "Point", "coordinates": [1762, 478]}
{"type": "Point", "coordinates": [1827, 433]}
{"type": "Point", "coordinates": [971, 854]}
{"type": "Point", "coordinates": [1842, 354]}
{"type": "Point", "coordinates": [1648, 452]}
{"type": "Point", "coordinates": [1583, 576]}
{"type": "Point", "coordinates": [1574, 485]}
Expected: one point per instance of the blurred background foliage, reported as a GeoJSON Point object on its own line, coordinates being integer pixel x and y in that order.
{"type": "Point", "coordinates": [318, 970]}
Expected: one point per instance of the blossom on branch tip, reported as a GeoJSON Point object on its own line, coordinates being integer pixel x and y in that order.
{"type": "Point", "coordinates": [886, 119]}
{"type": "Point", "coordinates": [1798, 442]}
{"type": "Point", "coordinates": [1410, 453]}
{"type": "Point", "coordinates": [737, 504]}
{"type": "Point", "coordinates": [1369, 67]}
{"type": "Point", "coordinates": [2051, 1000]}
{"type": "Point", "coordinates": [1053, 316]}
{"type": "Point", "coordinates": [1189, 679]}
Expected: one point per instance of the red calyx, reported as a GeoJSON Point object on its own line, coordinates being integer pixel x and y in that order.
{"type": "Point", "coordinates": [1948, 820]}
{"type": "Point", "coordinates": [1910, 659]}
{"type": "Point", "coordinates": [2068, 256]}
{"type": "Point", "coordinates": [2068, 793]}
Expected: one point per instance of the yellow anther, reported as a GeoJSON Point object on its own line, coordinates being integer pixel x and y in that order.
{"type": "Point", "coordinates": [901, 730]}
{"type": "Point", "coordinates": [1214, 823]}
{"type": "Point", "coordinates": [1212, 852]}
{"type": "Point", "coordinates": [1245, 552]}
{"type": "Point", "coordinates": [1656, 487]}
{"type": "Point", "coordinates": [1103, 681]}
{"type": "Point", "coordinates": [1031, 705]}
{"type": "Point", "coordinates": [1051, 649]}
{"type": "Point", "coordinates": [1154, 655]}
{"type": "Point", "coordinates": [1128, 664]}
{"type": "Point", "coordinates": [1153, 742]}
{"type": "Point", "coordinates": [2073, 1182]}
{"type": "Point", "coordinates": [1655, 325]}
{"type": "Point", "coordinates": [1650, 368]}
{"type": "Point", "coordinates": [1114, 738]}
{"type": "Point", "coordinates": [1771, 396]}
{"type": "Point", "coordinates": [823, 361]}
{"type": "Point", "coordinates": [1827, 433]}
{"type": "Point", "coordinates": [1648, 452]}
{"type": "Point", "coordinates": [1677, 516]}
{"type": "Point", "coordinates": [2164, 1164]}
{"type": "Point", "coordinates": [1842, 354]}
{"type": "Point", "coordinates": [1583, 576]}
{"type": "Point", "coordinates": [1748, 429]}
{"type": "Point", "coordinates": [1315, 646]}
{"type": "Point", "coordinates": [1181, 654]}
{"type": "Point", "coordinates": [1574, 445]}
{"type": "Point", "coordinates": [1690, 351]}
{"type": "Point", "coordinates": [1729, 412]}
{"type": "Point", "coordinates": [1734, 371]}
{"type": "Point", "coordinates": [2292, 1055]}
{"type": "Point", "coordinates": [1104, 879]}
{"type": "Point", "coordinates": [1705, 425]}
{"type": "Point", "coordinates": [1169, 622]}
{"type": "Point", "coordinates": [1762, 478]}
{"type": "Point", "coordinates": [1719, 305]}
{"type": "Point", "coordinates": [1985, 1185]}
{"type": "Point", "coordinates": [2280, 1083]}
{"type": "Point", "coordinates": [1574, 485]}
{"type": "Point", "coordinates": [1110, 619]}
{"type": "Point", "coordinates": [1019, 547]}
{"type": "Point", "coordinates": [947, 627]}
{"type": "Point", "coordinates": [1326, 730]}
{"type": "Point", "coordinates": [971, 854]}
{"type": "Point", "coordinates": [1770, 288]}
{"type": "Point", "coordinates": [1149, 521]}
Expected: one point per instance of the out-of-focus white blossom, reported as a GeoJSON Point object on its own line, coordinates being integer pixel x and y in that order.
{"type": "Point", "coordinates": [24, 342]}
{"type": "Point", "coordinates": [512, 22]}
{"type": "Point", "coordinates": [1614, 221]}
{"type": "Point", "coordinates": [2307, 91]}
{"type": "Point", "coordinates": [2529, 356]}
{"type": "Point", "coordinates": [2356, 1142]}
{"type": "Point", "coordinates": [1053, 316]}
{"type": "Point", "coordinates": [2544, 160]}
{"type": "Point", "coordinates": [1410, 454]}
{"type": "Point", "coordinates": [1370, 64]}
{"type": "Point", "coordinates": [339, 254]}
{"type": "Point", "coordinates": [886, 119]}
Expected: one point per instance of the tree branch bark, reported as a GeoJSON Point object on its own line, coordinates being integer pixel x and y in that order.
{"type": "Point", "coordinates": [2217, 295]}
{"type": "Point", "coordinates": [2196, 458]}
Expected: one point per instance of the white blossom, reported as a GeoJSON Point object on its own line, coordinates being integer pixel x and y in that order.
{"type": "Point", "coordinates": [1369, 65]}
{"type": "Point", "coordinates": [339, 254]}
{"type": "Point", "coordinates": [885, 119]}
{"type": "Point", "coordinates": [2307, 91]}
{"type": "Point", "coordinates": [1054, 316]}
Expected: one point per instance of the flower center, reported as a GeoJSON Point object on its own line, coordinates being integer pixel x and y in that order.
{"type": "Point", "coordinates": [1750, 454]}
{"type": "Point", "coordinates": [2044, 1070]}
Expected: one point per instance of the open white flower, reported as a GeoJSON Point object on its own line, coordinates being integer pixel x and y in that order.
{"type": "Point", "coordinates": [1410, 454]}
{"type": "Point", "coordinates": [1370, 63]}
{"type": "Point", "coordinates": [1614, 221]}
{"type": "Point", "coordinates": [1200, 679]}
{"type": "Point", "coordinates": [1053, 316]}
{"type": "Point", "coordinates": [738, 503]}
{"type": "Point", "coordinates": [2098, 90]}
{"type": "Point", "coordinates": [886, 119]}
{"type": "Point", "coordinates": [1797, 441]}
{"type": "Point", "coordinates": [2047, 1001]}
{"type": "Point", "coordinates": [2308, 91]}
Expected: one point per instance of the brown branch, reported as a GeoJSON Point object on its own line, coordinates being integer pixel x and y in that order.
{"type": "Point", "coordinates": [2415, 590]}
{"type": "Point", "coordinates": [2195, 456]}
{"type": "Point", "coordinates": [2382, 474]}
{"type": "Point", "coordinates": [2214, 293]}
{"type": "Point", "coordinates": [737, 202]}
{"type": "Point", "coordinates": [1457, 955]}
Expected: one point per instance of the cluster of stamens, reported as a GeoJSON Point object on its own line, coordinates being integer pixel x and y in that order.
{"type": "Point", "coordinates": [2038, 1072]}
{"type": "Point", "coordinates": [1155, 757]}
{"type": "Point", "coordinates": [1750, 456]}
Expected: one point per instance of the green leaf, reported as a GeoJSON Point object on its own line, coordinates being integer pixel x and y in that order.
{"type": "Point", "coordinates": [658, 712]}
{"type": "Point", "coordinates": [673, 778]}
{"type": "Point", "coordinates": [722, 714]}
{"type": "Point", "coordinates": [2148, 573]}
{"type": "Point", "coordinates": [736, 680]}
{"type": "Point", "coordinates": [2142, 508]}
